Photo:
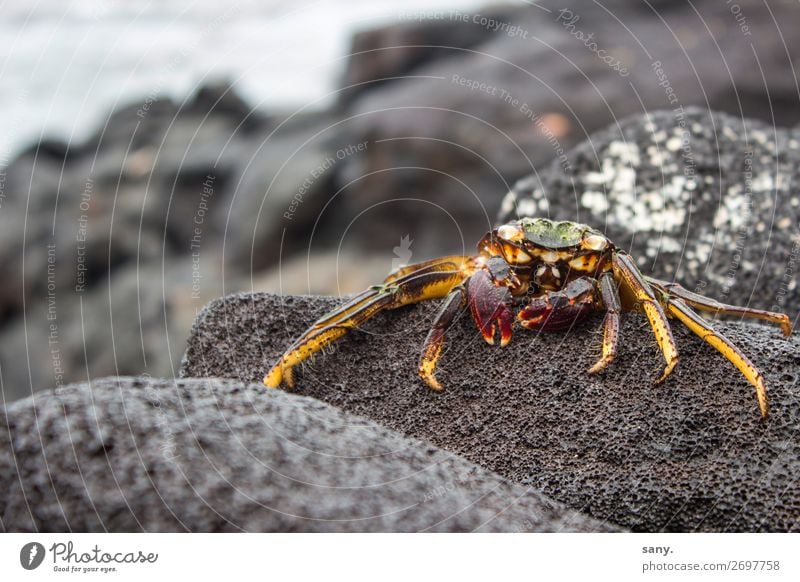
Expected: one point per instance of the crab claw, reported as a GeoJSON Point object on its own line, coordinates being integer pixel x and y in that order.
{"type": "Point", "coordinates": [490, 306]}
{"type": "Point", "coordinates": [559, 310]}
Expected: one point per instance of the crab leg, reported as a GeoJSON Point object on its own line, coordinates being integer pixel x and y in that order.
{"type": "Point", "coordinates": [354, 304]}
{"type": "Point", "coordinates": [613, 307]}
{"type": "Point", "coordinates": [431, 282]}
{"type": "Point", "coordinates": [634, 282]}
{"type": "Point", "coordinates": [432, 349]}
{"type": "Point", "coordinates": [711, 305]}
{"type": "Point", "coordinates": [456, 262]}
{"type": "Point", "coordinates": [708, 334]}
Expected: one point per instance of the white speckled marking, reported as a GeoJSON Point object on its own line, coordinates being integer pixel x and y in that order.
{"type": "Point", "coordinates": [595, 201]}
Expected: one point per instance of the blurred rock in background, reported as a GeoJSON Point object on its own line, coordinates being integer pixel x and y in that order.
{"type": "Point", "coordinates": [109, 247]}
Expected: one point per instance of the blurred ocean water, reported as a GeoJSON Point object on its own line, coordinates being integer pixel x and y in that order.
{"type": "Point", "coordinates": [65, 65]}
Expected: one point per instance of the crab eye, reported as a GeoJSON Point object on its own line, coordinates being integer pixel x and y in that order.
{"type": "Point", "coordinates": [510, 232]}
{"type": "Point", "coordinates": [595, 242]}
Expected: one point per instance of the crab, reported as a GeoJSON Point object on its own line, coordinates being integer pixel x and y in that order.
{"type": "Point", "coordinates": [543, 275]}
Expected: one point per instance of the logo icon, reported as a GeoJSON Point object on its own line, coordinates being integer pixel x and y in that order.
{"type": "Point", "coordinates": [31, 555]}
{"type": "Point", "coordinates": [402, 253]}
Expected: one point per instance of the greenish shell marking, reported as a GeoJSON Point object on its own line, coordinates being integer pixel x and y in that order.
{"type": "Point", "coordinates": [552, 234]}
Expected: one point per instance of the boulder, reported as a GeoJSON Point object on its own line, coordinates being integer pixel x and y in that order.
{"type": "Point", "coordinates": [109, 241]}
{"type": "Point", "coordinates": [703, 198]}
{"type": "Point", "coordinates": [140, 454]}
{"type": "Point", "coordinates": [692, 454]}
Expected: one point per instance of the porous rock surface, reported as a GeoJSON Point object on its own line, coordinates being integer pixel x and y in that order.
{"type": "Point", "coordinates": [705, 198]}
{"type": "Point", "coordinates": [132, 454]}
{"type": "Point", "coordinates": [690, 455]}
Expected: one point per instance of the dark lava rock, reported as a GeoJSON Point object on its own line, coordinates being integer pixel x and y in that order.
{"type": "Point", "coordinates": [453, 130]}
{"type": "Point", "coordinates": [703, 198]}
{"type": "Point", "coordinates": [137, 454]}
{"type": "Point", "coordinates": [106, 245]}
{"type": "Point", "coordinates": [381, 55]}
{"type": "Point", "coordinates": [691, 454]}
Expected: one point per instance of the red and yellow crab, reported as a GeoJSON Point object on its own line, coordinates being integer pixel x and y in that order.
{"type": "Point", "coordinates": [548, 276]}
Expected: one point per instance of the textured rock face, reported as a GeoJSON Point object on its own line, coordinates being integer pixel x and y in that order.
{"type": "Point", "coordinates": [706, 199]}
{"type": "Point", "coordinates": [131, 454]}
{"type": "Point", "coordinates": [691, 454]}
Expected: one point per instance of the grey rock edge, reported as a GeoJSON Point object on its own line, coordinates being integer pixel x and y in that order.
{"type": "Point", "coordinates": [136, 454]}
{"type": "Point", "coordinates": [690, 455]}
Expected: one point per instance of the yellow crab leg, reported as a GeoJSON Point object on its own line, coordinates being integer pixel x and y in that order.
{"type": "Point", "coordinates": [613, 307]}
{"type": "Point", "coordinates": [713, 306]}
{"type": "Point", "coordinates": [432, 348]}
{"type": "Point", "coordinates": [709, 335]}
{"type": "Point", "coordinates": [628, 274]}
{"type": "Point", "coordinates": [427, 283]}
{"type": "Point", "coordinates": [354, 304]}
{"type": "Point", "coordinates": [458, 262]}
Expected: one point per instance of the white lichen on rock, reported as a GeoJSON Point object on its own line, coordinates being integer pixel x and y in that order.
{"type": "Point", "coordinates": [703, 198]}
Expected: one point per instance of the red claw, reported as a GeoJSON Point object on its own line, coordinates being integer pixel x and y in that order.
{"type": "Point", "coordinates": [490, 306]}
{"type": "Point", "coordinates": [559, 310]}
{"type": "Point", "coordinates": [506, 319]}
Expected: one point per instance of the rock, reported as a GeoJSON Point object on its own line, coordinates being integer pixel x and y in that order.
{"type": "Point", "coordinates": [119, 326]}
{"type": "Point", "coordinates": [706, 199]}
{"type": "Point", "coordinates": [142, 212]}
{"type": "Point", "coordinates": [138, 454]}
{"type": "Point", "coordinates": [118, 199]}
{"type": "Point", "coordinates": [284, 182]}
{"type": "Point", "coordinates": [220, 99]}
{"type": "Point", "coordinates": [381, 55]}
{"type": "Point", "coordinates": [690, 455]}
{"type": "Point", "coordinates": [477, 118]}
